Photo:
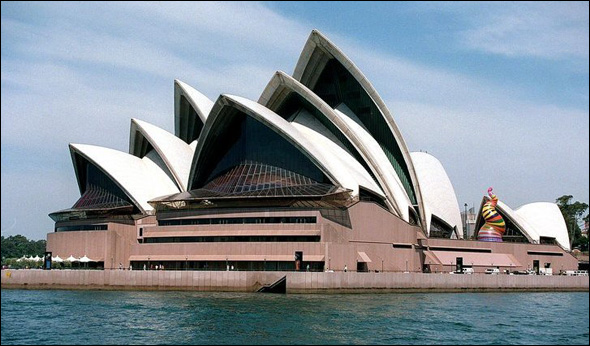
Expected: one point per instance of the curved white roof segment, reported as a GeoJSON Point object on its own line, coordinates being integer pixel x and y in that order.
{"type": "Point", "coordinates": [353, 174]}
{"type": "Point", "coordinates": [437, 191]}
{"type": "Point", "coordinates": [527, 230]}
{"type": "Point", "coordinates": [330, 166]}
{"type": "Point", "coordinates": [536, 220]}
{"type": "Point", "coordinates": [176, 154]}
{"type": "Point", "coordinates": [373, 150]}
{"type": "Point", "coordinates": [303, 71]}
{"type": "Point", "coordinates": [200, 103]}
{"type": "Point", "coordinates": [547, 221]}
{"type": "Point", "coordinates": [283, 84]}
{"type": "Point", "coordinates": [380, 169]}
{"type": "Point", "coordinates": [140, 179]}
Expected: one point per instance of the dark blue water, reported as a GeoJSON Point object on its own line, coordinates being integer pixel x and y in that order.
{"type": "Point", "coordinates": [91, 317]}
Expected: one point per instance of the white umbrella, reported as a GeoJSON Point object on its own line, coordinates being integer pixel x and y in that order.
{"type": "Point", "coordinates": [56, 259]}
{"type": "Point", "coordinates": [85, 259]}
{"type": "Point", "coordinates": [72, 259]}
{"type": "Point", "coordinates": [36, 259]}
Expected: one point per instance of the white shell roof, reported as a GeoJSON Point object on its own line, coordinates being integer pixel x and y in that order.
{"type": "Point", "coordinates": [317, 132]}
{"type": "Point", "coordinates": [536, 220]}
{"type": "Point", "coordinates": [372, 149]}
{"type": "Point", "coordinates": [141, 179]}
{"type": "Point", "coordinates": [317, 39]}
{"type": "Point", "coordinates": [547, 221]}
{"type": "Point", "coordinates": [176, 154]}
{"type": "Point", "coordinates": [201, 103]}
{"type": "Point", "coordinates": [329, 165]}
{"type": "Point", "coordinates": [355, 175]}
{"type": "Point", "coordinates": [437, 191]}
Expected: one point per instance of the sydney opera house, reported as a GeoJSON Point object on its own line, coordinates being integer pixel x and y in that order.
{"type": "Point", "coordinates": [314, 175]}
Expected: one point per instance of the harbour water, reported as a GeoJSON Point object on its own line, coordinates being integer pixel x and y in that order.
{"type": "Point", "coordinates": [111, 317]}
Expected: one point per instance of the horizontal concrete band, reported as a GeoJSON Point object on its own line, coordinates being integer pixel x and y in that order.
{"type": "Point", "coordinates": [300, 282]}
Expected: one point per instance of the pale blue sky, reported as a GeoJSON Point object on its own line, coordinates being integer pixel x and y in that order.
{"type": "Point", "coordinates": [497, 91]}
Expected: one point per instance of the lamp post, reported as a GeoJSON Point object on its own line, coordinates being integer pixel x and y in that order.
{"type": "Point", "coordinates": [149, 263]}
{"type": "Point", "coordinates": [465, 231]}
{"type": "Point", "coordinates": [186, 263]}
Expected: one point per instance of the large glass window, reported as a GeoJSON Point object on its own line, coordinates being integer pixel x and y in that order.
{"type": "Point", "coordinates": [245, 143]}
{"type": "Point", "coordinates": [234, 239]}
{"type": "Point", "coordinates": [100, 191]}
{"type": "Point", "coordinates": [81, 228]}
{"type": "Point", "coordinates": [440, 229]}
{"type": "Point", "coordinates": [239, 220]}
{"type": "Point", "coordinates": [190, 124]}
{"type": "Point", "coordinates": [294, 103]}
{"type": "Point", "coordinates": [335, 86]}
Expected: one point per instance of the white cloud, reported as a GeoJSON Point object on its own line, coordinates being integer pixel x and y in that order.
{"type": "Point", "coordinates": [553, 30]}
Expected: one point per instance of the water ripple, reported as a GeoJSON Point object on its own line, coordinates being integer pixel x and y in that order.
{"type": "Point", "coordinates": [86, 317]}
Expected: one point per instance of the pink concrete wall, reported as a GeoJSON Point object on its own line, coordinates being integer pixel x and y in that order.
{"type": "Point", "coordinates": [296, 282]}
{"type": "Point", "coordinates": [518, 250]}
{"type": "Point", "coordinates": [93, 244]}
{"type": "Point", "coordinates": [374, 231]}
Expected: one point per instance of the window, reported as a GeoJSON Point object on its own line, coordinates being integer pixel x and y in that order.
{"type": "Point", "coordinates": [237, 221]}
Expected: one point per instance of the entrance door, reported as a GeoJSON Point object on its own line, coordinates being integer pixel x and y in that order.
{"type": "Point", "coordinates": [459, 266]}
{"type": "Point", "coordinates": [536, 266]}
{"type": "Point", "coordinates": [298, 260]}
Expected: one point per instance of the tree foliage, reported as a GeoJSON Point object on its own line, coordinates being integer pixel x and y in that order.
{"type": "Point", "coordinates": [572, 212]}
{"type": "Point", "coordinates": [17, 246]}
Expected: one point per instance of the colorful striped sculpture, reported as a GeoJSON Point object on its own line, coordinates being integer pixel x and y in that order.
{"type": "Point", "coordinates": [495, 226]}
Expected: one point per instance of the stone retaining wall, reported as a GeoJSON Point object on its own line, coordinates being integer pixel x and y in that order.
{"type": "Point", "coordinates": [297, 282]}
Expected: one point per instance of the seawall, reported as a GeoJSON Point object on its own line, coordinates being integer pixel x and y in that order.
{"type": "Point", "coordinates": [297, 282]}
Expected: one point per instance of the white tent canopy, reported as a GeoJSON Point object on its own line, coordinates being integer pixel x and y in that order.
{"type": "Point", "coordinates": [85, 259]}
{"type": "Point", "coordinates": [57, 259]}
{"type": "Point", "coordinates": [72, 259]}
{"type": "Point", "coordinates": [36, 259]}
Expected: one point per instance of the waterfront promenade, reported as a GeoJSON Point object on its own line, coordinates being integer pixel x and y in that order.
{"type": "Point", "coordinates": [297, 282]}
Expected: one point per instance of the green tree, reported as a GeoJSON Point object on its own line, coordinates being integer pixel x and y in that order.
{"type": "Point", "coordinates": [17, 246]}
{"type": "Point", "coordinates": [572, 213]}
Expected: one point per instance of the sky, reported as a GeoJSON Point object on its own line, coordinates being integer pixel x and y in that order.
{"type": "Point", "coordinates": [498, 92]}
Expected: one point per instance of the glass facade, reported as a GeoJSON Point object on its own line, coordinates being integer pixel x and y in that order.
{"type": "Point", "coordinates": [190, 123]}
{"type": "Point", "coordinates": [440, 229]}
{"type": "Point", "coordinates": [258, 179]}
{"type": "Point", "coordinates": [249, 156]}
{"type": "Point", "coordinates": [340, 216]}
{"type": "Point", "coordinates": [335, 86]}
{"type": "Point", "coordinates": [234, 239]}
{"type": "Point", "coordinates": [226, 265]}
{"type": "Point", "coordinates": [238, 220]}
{"type": "Point", "coordinates": [141, 146]}
{"type": "Point", "coordinates": [101, 192]}
{"type": "Point", "coordinates": [81, 228]}
{"type": "Point", "coordinates": [294, 103]}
